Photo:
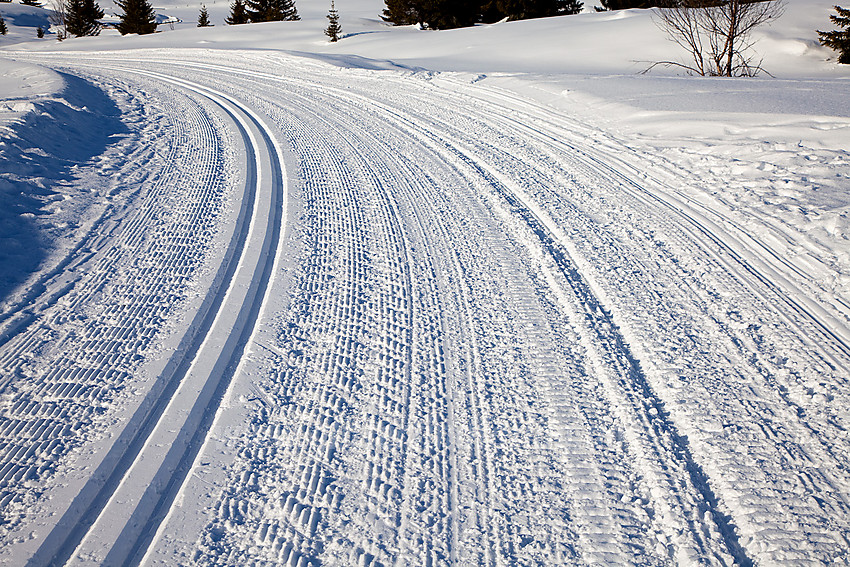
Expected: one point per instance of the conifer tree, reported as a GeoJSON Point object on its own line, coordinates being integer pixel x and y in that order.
{"type": "Point", "coordinates": [39, 32]}
{"type": "Point", "coordinates": [403, 12]}
{"type": "Point", "coordinates": [333, 30]}
{"type": "Point", "coordinates": [448, 14]}
{"type": "Point", "coordinates": [204, 18]}
{"type": "Point", "coordinates": [81, 17]}
{"type": "Point", "coordinates": [526, 9]}
{"type": "Point", "coordinates": [271, 10]}
{"type": "Point", "coordinates": [238, 15]}
{"type": "Point", "coordinates": [570, 7]}
{"type": "Point", "coordinates": [839, 40]}
{"type": "Point", "coordinates": [433, 14]}
{"type": "Point", "coordinates": [3, 29]}
{"type": "Point", "coordinates": [445, 14]}
{"type": "Point", "coordinates": [138, 17]}
{"type": "Point", "coordinates": [629, 4]}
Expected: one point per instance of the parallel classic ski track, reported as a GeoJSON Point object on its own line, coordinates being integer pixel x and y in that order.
{"type": "Point", "coordinates": [72, 529]}
{"type": "Point", "coordinates": [71, 365]}
{"type": "Point", "coordinates": [689, 210]}
{"type": "Point", "coordinates": [655, 420]}
{"type": "Point", "coordinates": [461, 375]}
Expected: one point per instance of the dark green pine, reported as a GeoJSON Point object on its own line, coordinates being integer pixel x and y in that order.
{"type": "Point", "coordinates": [204, 18]}
{"type": "Point", "coordinates": [839, 40]}
{"type": "Point", "coordinates": [81, 18]}
{"type": "Point", "coordinates": [334, 29]}
{"type": "Point", "coordinates": [238, 15]}
{"type": "Point", "coordinates": [271, 10]}
{"type": "Point", "coordinates": [138, 17]}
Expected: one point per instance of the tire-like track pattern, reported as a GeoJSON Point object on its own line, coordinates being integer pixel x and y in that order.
{"type": "Point", "coordinates": [502, 345]}
{"type": "Point", "coordinates": [97, 493]}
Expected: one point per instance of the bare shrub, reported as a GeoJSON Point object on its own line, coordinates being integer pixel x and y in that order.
{"type": "Point", "coordinates": [717, 34]}
{"type": "Point", "coordinates": [58, 18]}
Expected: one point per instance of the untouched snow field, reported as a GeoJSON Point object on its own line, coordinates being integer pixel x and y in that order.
{"type": "Point", "coordinates": [475, 297]}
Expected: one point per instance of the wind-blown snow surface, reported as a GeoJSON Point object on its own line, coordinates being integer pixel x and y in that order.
{"type": "Point", "coordinates": [423, 298]}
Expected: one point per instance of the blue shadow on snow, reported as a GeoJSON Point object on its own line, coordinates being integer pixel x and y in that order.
{"type": "Point", "coordinates": [36, 158]}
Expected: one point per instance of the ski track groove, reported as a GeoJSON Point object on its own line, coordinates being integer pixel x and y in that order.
{"type": "Point", "coordinates": [75, 380]}
{"type": "Point", "coordinates": [455, 379]}
{"type": "Point", "coordinates": [509, 547]}
{"type": "Point", "coordinates": [186, 446]}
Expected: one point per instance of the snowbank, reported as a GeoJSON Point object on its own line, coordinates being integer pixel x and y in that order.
{"type": "Point", "coordinates": [21, 84]}
{"type": "Point", "coordinates": [49, 125]}
{"type": "Point", "coordinates": [22, 22]}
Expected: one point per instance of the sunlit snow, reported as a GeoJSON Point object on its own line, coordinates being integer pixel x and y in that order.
{"type": "Point", "coordinates": [487, 296]}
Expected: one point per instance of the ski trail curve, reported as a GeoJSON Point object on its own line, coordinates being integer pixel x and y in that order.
{"type": "Point", "coordinates": [196, 377]}
{"type": "Point", "coordinates": [498, 343]}
{"type": "Point", "coordinates": [404, 124]}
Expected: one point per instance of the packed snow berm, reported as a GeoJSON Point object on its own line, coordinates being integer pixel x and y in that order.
{"type": "Point", "coordinates": [486, 296]}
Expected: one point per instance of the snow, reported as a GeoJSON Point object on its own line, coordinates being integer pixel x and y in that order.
{"type": "Point", "coordinates": [49, 122]}
{"type": "Point", "coordinates": [478, 296]}
{"type": "Point", "coordinates": [22, 21]}
{"type": "Point", "coordinates": [25, 82]}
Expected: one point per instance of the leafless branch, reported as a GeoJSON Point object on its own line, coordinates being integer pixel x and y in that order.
{"type": "Point", "coordinates": [671, 64]}
{"type": "Point", "coordinates": [717, 33]}
{"type": "Point", "coordinates": [58, 17]}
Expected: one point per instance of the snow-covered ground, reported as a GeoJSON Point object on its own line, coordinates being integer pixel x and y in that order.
{"type": "Point", "coordinates": [481, 296]}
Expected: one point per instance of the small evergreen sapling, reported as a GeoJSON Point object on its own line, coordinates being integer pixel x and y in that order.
{"type": "Point", "coordinates": [333, 30]}
{"type": "Point", "coordinates": [138, 17]}
{"type": "Point", "coordinates": [839, 40]}
{"type": "Point", "coordinates": [39, 32]}
{"type": "Point", "coordinates": [3, 29]}
{"type": "Point", "coordinates": [81, 17]}
{"type": "Point", "coordinates": [238, 15]}
{"type": "Point", "coordinates": [204, 18]}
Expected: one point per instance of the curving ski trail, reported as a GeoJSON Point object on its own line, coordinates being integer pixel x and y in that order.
{"type": "Point", "coordinates": [496, 339]}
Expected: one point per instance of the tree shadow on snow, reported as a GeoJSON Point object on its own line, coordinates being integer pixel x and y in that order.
{"type": "Point", "coordinates": [37, 156]}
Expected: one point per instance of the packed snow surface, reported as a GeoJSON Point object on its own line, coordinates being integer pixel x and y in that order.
{"type": "Point", "coordinates": [474, 297]}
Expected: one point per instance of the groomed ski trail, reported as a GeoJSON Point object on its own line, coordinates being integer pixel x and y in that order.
{"type": "Point", "coordinates": [150, 464]}
{"type": "Point", "coordinates": [499, 338]}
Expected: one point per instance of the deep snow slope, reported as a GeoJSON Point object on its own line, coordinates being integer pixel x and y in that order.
{"type": "Point", "coordinates": [292, 303]}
